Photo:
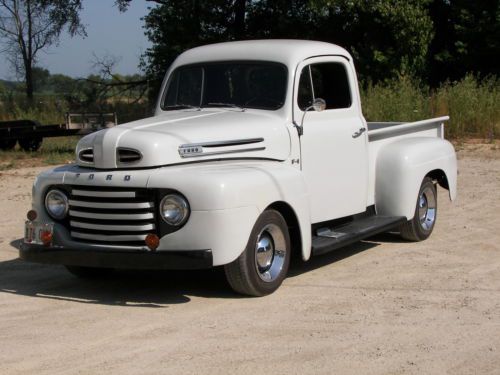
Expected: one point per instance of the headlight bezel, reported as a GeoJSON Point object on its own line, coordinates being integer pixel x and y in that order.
{"type": "Point", "coordinates": [64, 199]}
{"type": "Point", "coordinates": [179, 200]}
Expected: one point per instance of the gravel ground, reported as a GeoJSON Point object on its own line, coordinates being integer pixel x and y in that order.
{"type": "Point", "coordinates": [381, 306]}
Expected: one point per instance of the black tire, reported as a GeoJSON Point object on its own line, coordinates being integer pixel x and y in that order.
{"type": "Point", "coordinates": [89, 272]}
{"type": "Point", "coordinates": [7, 144]}
{"type": "Point", "coordinates": [420, 227]}
{"type": "Point", "coordinates": [31, 143]}
{"type": "Point", "coordinates": [261, 269]}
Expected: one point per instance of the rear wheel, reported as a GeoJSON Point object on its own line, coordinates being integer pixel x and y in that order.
{"type": "Point", "coordinates": [89, 272]}
{"type": "Point", "coordinates": [420, 227]}
{"type": "Point", "coordinates": [30, 144]}
{"type": "Point", "coordinates": [7, 144]}
{"type": "Point", "coordinates": [263, 266]}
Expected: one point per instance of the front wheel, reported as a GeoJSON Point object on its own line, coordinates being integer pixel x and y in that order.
{"type": "Point", "coordinates": [263, 266]}
{"type": "Point", "coordinates": [422, 224]}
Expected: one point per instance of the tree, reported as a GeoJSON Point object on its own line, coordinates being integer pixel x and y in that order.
{"type": "Point", "coordinates": [176, 25]}
{"type": "Point", "coordinates": [30, 26]}
{"type": "Point", "coordinates": [387, 37]}
{"type": "Point", "coordinates": [467, 39]}
{"type": "Point", "coordinates": [426, 39]}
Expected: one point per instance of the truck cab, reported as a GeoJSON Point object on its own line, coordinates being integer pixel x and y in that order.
{"type": "Point", "coordinates": [258, 151]}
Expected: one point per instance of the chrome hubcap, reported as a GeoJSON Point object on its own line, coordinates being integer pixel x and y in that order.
{"type": "Point", "coordinates": [427, 208]}
{"type": "Point", "coordinates": [270, 250]}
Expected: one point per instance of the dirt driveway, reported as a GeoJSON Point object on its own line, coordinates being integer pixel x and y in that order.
{"type": "Point", "coordinates": [378, 307]}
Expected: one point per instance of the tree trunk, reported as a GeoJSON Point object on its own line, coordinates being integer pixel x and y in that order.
{"type": "Point", "coordinates": [239, 18]}
{"type": "Point", "coordinates": [29, 81]}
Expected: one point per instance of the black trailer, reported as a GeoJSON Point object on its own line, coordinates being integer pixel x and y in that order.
{"type": "Point", "coordinates": [29, 134]}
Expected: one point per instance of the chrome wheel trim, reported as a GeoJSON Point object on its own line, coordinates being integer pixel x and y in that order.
{"type": "Point", "coordinates": [427, 208]}
{"type": "Point", "coordinates": [270, 252]}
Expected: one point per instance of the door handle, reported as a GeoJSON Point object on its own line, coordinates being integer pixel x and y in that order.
{"type": "Point", "coordinates": [359, 132]}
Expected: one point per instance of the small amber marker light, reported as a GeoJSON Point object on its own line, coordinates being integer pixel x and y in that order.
{"type": "Point", "coordinates": [152, 241]}
{"type": "Point", "coordinates": [46, 237]}
{"type": "Point", "coordinates": [31, 215]}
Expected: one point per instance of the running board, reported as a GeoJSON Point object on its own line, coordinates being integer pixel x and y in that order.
{"type": "Point", "coordinates": [328, 239]}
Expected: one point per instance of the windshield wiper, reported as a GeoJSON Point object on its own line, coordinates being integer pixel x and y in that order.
{"type": "Point", "coordinates": [182, 106]}
{"type": "Point", "coordinates": [231, 105]}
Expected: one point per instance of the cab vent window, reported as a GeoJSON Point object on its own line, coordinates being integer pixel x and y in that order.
{"type": "Point", "coordinates": [305, 94]}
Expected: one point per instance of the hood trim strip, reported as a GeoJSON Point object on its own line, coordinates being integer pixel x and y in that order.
{"type": "Point", "coordinates": [195, 155]}
{"type": "Point", "coordinates": [191, 150]}
{"type": "Point", "coordinates": [232, 142]}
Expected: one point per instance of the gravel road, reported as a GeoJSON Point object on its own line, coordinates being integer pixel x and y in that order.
{"type": "Point", "coordinates": [381, 306]}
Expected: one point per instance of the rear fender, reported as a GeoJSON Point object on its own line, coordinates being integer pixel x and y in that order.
{"type": "Point", "coordinates": [402, 165]}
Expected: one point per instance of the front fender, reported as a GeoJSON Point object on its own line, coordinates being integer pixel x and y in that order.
{"type": "Point", "coordinates": [402, 165]}
{"type": "Point", "coordinates": [233, 193]}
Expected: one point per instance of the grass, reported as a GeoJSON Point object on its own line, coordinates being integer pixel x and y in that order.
{"type": "Point", "coordinates": [54, 151]}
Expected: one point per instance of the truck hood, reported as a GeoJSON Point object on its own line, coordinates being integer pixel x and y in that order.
{"type": "Point", "coordinates": [186, 136]}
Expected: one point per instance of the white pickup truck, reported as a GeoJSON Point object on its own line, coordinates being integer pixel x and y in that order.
{"type": "Point", "coordinates": [258, 152]}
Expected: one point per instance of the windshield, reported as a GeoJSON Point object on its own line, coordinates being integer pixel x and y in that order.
{"type": "Point", "coordinates": [260, 85]}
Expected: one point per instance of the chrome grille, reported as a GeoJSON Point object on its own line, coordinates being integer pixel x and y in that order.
{"type": "Point", "coordinates": [111, 215]}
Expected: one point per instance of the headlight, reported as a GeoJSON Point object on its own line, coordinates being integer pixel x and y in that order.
{"type": "Point", "coordinates": [174, 209]}
{"type": "Point", "coordinates": [56, 204]}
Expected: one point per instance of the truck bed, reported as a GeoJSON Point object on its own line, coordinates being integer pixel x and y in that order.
{"type": "Point", "coordinates": [384, 130]}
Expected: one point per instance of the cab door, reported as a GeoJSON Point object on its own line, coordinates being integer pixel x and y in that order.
{"type": "Point", "coordinates": [334, 157]}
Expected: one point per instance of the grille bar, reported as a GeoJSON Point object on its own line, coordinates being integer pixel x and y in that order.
{"type": "Point", "coordinates": [106, 238]}
{"type": "Point", "coordinates": [122, 216]}
{"type": "Point", "coordinates": [95, 215]}
{"type": "Point", "coordinates": [77, 224]}
{"type": "Point", "coordinates": [120, 206]}
{"type": "Point", "coordinates": [104, 194]}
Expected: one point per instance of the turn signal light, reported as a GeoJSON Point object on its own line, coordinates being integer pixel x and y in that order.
{"type": "Point", "coordinates": [46, 237]}
{"type": "Point", "coordinates": [152, 241]}
{"type": "Point", "coordinates": [31, 215]}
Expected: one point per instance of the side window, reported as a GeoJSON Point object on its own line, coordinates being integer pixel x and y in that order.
{"type": "Point", "coordinates": [329, 82]}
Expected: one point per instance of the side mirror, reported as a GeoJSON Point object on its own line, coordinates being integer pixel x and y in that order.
{"type": "Point", "coordinates": [319, 105]}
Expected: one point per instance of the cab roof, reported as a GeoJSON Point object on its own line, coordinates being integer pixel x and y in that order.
{"type": "Point", "coordinates": [286, 51]}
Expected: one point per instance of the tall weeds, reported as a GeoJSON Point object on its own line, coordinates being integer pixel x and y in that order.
{"type": "Point", "coordinates": [472, 104]}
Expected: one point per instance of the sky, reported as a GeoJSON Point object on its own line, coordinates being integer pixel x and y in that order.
{"type": "Point", "coordinates": [109, 32]}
